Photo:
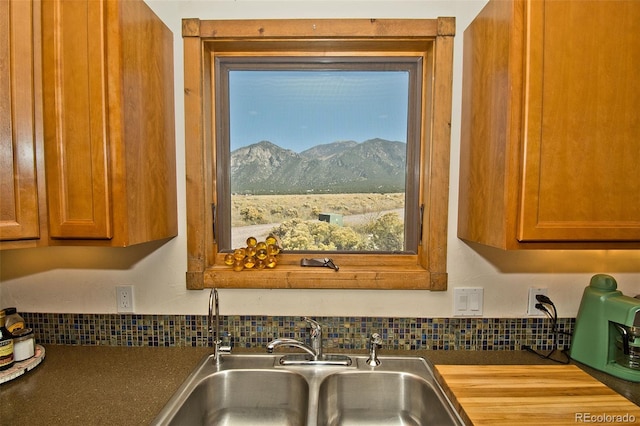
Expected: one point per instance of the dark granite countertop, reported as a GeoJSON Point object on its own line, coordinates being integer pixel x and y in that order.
{"type": "Point", "coordinates": [91, 385]}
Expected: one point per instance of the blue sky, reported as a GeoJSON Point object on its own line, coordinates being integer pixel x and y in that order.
{"type": "Point", "coordinates": [301, 109]}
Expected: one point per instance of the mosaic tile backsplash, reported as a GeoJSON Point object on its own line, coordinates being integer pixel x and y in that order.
{"type": "Point", "coordinates": [339, 332]}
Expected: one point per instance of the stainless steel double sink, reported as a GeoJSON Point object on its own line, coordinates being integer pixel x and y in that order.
{"type": "Point", "coordinates": [257, 390]}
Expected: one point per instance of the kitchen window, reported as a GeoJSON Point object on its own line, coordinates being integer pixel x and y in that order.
{"type": "Point", "coordinates": [230, 66]}
{"type": "Point", "coordinates": [320, 152]}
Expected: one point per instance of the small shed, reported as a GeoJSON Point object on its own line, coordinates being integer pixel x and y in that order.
{"type": "Point", "coordinates": [334, 218]}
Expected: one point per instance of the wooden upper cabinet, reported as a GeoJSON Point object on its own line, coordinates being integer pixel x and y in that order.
{"type": "Point", "coordinates": [550, 139]}
{"type": "Point", "coordinates": [77, 119]}
{"type": "Point", "coordinates": [20, 133]}
{"type": "Point", "coordinates": [108, 122]}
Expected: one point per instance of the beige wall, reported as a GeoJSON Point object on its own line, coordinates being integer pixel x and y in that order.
{"type": "Point", "coordinates": [83, 280]}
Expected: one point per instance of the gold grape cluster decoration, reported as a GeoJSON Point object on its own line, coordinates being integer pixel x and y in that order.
{"type": "Point", "coordinates": [256, 255]}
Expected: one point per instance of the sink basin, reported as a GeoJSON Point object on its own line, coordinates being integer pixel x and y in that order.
{"type": "Point", "coordinates": [246, 397]}
{"type": "Point", "coordinates": [259, 390]}
{"type": "Point", "coordinates": [379, 398]}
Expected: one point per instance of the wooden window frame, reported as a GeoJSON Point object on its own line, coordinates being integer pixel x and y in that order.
{"type": "Point", "coordinates": [412, 66]}
{"type": "Point", "coordinates": [430, 39]}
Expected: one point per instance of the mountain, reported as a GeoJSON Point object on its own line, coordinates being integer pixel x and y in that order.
{"type": "Point", "coordinates": [326, 151]}
{"type": "Point", "coordinates": [375, 165]}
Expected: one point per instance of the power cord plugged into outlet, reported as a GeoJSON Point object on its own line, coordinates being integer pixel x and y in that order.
{"type": "Point", "coordinates": [543, 298]}
{"type": "Point", "coordinates": [549, 309]}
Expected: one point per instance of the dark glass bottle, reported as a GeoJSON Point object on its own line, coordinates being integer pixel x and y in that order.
{"type": "Point", "coordinates": [6, 345]}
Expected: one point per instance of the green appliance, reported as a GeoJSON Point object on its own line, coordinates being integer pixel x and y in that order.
{"type": "Point", "coordinates": [607, 332]}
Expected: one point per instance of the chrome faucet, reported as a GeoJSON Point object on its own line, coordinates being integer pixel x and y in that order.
{"type": "Point", "coordinates": [374, 343]}
{"type": "Point", "coordinates": [316, 337]}
{"type": "Point", "coordinates": [214, 318]}
{"type": "Point", "coordinates": [315, 350]}
{"type": "Point", "coordinates": [314, 355]}
{"type": "Point", "coordinates": [293, 343]}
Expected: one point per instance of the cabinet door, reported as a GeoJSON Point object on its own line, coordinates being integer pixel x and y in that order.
{"type": "Point", "coordinates": [76, 122]}
{"type": "Point", "coordinates": [582, 133]}
{"type": "Point", "coordinates": [19, 219]}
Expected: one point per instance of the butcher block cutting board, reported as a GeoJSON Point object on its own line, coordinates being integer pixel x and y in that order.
{"type": "Point", "coordinates": [533, 394]}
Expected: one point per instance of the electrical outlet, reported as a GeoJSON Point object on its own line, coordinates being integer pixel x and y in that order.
{"type": "Point", "coordinates": [124, 298]}
{"type": "Point", "coordinates": [531, 307]}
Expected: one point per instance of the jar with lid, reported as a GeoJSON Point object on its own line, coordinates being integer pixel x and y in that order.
{"type": "Point", "coordinates": [6, 345]}
{"type": "Point", "coordinates": [24, 345]}
{"type": "Point", "coordinates": [13, 321]}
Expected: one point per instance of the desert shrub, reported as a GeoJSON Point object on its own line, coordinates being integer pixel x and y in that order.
{"type": "Point", "coordinates": [297, 234]}
{"type": "Point", "coordinates": [386, 233]}
{"type": "Point", "coordinates": [292, 212]}
{"type": "Point", "coordinates": [253, 215]}
{"type": "Point", "coordinates": [277, 210]}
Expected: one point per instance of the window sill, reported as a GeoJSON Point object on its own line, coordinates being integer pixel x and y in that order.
{"type": "Point", "coordinates": [348, 277]}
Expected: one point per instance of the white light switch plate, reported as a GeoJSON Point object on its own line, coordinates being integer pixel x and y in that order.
{"type": "Point", "coordinates": [468, 301]}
